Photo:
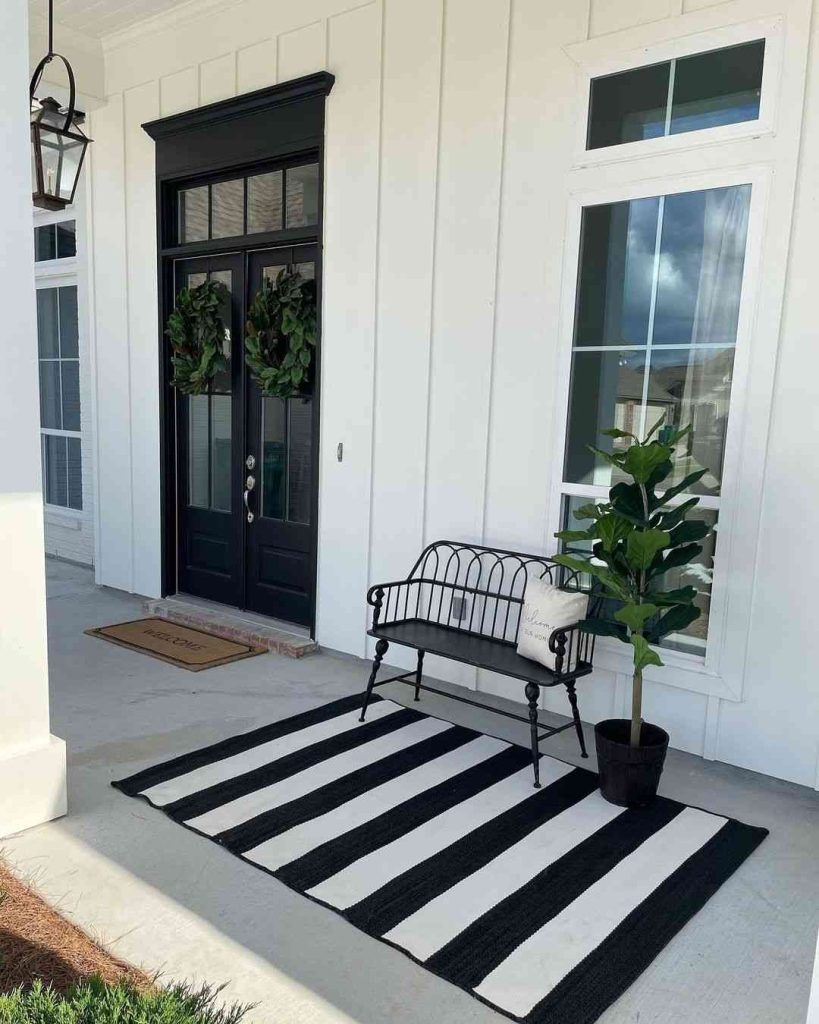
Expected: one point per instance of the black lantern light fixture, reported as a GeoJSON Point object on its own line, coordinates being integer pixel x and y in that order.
{"type": "Point", "coordinates": [57, 143]}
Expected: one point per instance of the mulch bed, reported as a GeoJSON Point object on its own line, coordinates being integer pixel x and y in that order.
{"type": "Point", "coordinates": [37, 942]}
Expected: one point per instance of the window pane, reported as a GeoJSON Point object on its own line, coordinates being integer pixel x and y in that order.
{"type": "Point", "coordinates": [264, 202]}
{"type": "Point", "coordinates": [220, 414]}
{"type": "Point", "coordinates": [300, 446]}
{"type": "Point", "coordinates": [702, 255]}
{"type": "Point", "coordinates": [69, 341]}
{"type": "Point", "coordinates": [606, 391]}
{"type": "Point", "coordinates": [302, 196]}
{"type": "Point", "coordinates": [54, 470]}
{"type": "Point", "coordinates": [628, 107]}
{"type": "Point", "coordinates": [66, 239]}
{"type": "Point", "coordinates": [47, 331]}
{"type": "Point", "coordinates": [274, 457]}
{"type": "Point", "coordinates": [616, 273]}
{"type": "Point", "coordinates": [227, 208]}
{"type": "Point", "coordinates": [193, 214]}
{"type": "Point", "coordinates": [50, 395]}
{"type": "Point", "coordinates": [74, 472]}
{"type": "Point", "coordinates": [45, 243]}
{"type": "Point", "coordinates": [71, 393]}
{"type": "Point", "coordinates": [721, 87]}
{"type": "Point", "coordinates": [694, 386]}
{"type": "Point", "coordinates": [198, 455]}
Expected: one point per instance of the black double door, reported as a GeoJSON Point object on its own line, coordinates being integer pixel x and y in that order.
{"type": "Point", "coordinates": [246, 480]}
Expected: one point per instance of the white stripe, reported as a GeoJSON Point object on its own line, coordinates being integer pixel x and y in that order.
{"type": "Point", "coordinates": [547, 956]}
{"type": "Point", "coordinates": [297, 841]}
{"type": "Point", "coordinates": [334, 768]}
{"type": "Point", "coordinates": [440, 920]}
{"type": "Point", "coordinates": [237, 764]}
{"type": "Point", "coordinates": [375, 870]}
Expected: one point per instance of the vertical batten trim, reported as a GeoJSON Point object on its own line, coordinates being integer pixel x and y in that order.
{"type": "Point", "coordinates": [433, 278]}
{"type": "Point", "coordinates": [125, 234]}
{"type": "Point", "coordinates": [710, 742]}
{"type": "Point", "coordinates": [381, 7]}
{"type": "Point", "coordinates": [91, 324]}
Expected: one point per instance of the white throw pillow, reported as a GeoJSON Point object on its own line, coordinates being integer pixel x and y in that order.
{"type": "Point", "coordinates": [545, 609]}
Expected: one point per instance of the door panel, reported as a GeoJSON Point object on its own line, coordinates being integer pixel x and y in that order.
{"type": "Point", "coordinates": [282, 438]}
{"type": "Point", "coordinates": [209, 453]}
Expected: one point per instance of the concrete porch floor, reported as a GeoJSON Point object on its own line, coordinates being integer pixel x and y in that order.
{"type": "Point", "coordinates": [168, 900]}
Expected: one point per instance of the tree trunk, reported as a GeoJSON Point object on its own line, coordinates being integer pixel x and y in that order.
{"type": "Point", "coordinates": [636, 707]}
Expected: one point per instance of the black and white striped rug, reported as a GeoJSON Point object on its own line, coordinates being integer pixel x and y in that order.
{"type": "Point", "coordinates": [545, 904]}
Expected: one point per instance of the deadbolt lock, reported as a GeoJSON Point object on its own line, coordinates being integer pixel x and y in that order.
{"type": "Point", "coordinates": [250, 462]}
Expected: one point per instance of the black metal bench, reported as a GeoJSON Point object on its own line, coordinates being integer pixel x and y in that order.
{"type": "Point", "coordinates": [464, 602]}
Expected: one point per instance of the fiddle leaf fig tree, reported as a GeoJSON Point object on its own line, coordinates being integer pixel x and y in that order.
{"type": "Point", "coordinates": [636, 537]}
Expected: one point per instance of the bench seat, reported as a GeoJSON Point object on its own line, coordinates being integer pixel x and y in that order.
{"type": "Point", "coordinates": [481, 651]}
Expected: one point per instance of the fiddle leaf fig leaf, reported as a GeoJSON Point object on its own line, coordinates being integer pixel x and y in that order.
{"type": "Point", "coordinates": [643, 545]}
{"type": "Point", "coordinates": [685, 595]}
{"type": "Point", "coordinates": [611, 529]}
{"type": "Point", "coordinates": [603, 627]}
{"type": "Point", "coordinates": [589, 511]}
{"type": "Point", "coordinates": [642, 460]}
{"type": "Point", "coordinates": [684, 485]}
{"type": "Point", "coordinates": [673, 621]}
{"type": "Point", "coordinates": [691, 530]}
{"type": "Point", "coordinates": [573, 535]}
{"type": "Point", "coordinates": [635, 616]}
{"type": "Point", "coordinates": [643, 654]}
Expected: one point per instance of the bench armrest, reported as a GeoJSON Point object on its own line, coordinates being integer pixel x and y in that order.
{"type": "Point", "coordinates": [570, 646]}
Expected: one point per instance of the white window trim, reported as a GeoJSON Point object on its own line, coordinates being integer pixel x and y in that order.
{"type": "Point", "coordinates": [720, 672]}
{"type": "Point", "coordinates": [592, 65]}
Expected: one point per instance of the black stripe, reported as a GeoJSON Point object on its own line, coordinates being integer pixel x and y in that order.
{"type": "Point", "coordinates": [490, 939]}
{"type": "Point", "coordinates": [251, 833]}
{"type": "Point", "coordinates": [383, 909]}
{"type": "Point", "coordinates": [333, 856]}
{"type": "Point", "coordinates": [205, 800]}
{"type": "Point", "coordinates": [136, 784]}
{"type": "Point", "coordinates": [594, 984]}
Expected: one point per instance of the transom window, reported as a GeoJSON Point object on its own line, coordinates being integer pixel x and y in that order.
{"type": "Point", "coordinates": [275, 201]}
{"type": "Point", "coordinates": [55, 241]}
{"type": "Point", "coordinates": [59, 360]}
{"type": "Point", "coordinates": [657, 310]}
{"type": "Point", "coordinates": [687, 94]}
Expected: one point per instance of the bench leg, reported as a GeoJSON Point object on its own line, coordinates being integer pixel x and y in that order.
{"type": "Point", "coordinates": [380, 650]}
{"type": "Point", "coordinates": [532, 692]}
{"type": "Point", "coordinates": [418, 672]}
{"type": "Point", "coordinates": [576, 716]}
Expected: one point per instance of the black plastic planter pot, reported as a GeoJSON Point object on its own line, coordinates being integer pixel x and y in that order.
{"type": "Point", "coordinates": [629, 776]}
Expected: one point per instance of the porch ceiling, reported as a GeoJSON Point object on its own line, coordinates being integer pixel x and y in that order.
{"type": "Point", "coordinates": [98, 18]}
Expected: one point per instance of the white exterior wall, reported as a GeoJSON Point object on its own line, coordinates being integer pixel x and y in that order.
{"type": "Point", "coordinates": [451, 165]}
{"type": "Point", "coordinates": [32, 762]}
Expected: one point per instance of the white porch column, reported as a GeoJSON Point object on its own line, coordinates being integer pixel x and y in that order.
{"type": "Point", "coordinates": [32, 762]}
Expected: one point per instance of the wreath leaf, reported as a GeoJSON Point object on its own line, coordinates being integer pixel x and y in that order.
{"type": "Point", "coordinates": [280, 338]}
{"type": "Point", "coordinates": [197, 336]}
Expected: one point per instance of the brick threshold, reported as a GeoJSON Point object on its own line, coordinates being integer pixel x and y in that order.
{"type": "Point", "coordinates": [232, 627]}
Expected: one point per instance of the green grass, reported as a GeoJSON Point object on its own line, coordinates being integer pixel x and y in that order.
{"type": "Point", "coordinates": [94, 1002]}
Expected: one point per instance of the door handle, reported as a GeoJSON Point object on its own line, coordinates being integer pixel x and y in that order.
{"type": "Point", "coordinates": [245, 497]}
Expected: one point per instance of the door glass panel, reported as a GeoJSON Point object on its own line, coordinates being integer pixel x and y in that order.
{"type": "Point", "coordinates": [193, 215]}
{"type": "Point", "coordinates": [299, 457]}
{"type": "Point", "coordinates": [198, 483]}
{"type": "Point", "coordinates": [302, 196]}
{"type": "Point", "coordinates": [222, 380]}
{"type": "Point", "coordinates": [220, 451]}
{"type": "Point", "coordinates": [227, 208]}
{"type": "Point", "coordinates": [264, 202]}
{"type": "Point", "coordinates": [274, 457]}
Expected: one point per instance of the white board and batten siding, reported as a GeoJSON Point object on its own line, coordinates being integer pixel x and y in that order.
{"type": "Point", "coordinates": [451, 166]}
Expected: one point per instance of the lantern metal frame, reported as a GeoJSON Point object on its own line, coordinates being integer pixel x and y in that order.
{"type": "Point", "coordinates": [40, 130]}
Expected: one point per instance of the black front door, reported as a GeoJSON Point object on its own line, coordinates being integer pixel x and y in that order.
{"type": "Point", "coordinates": [280, 485]}
{"type": "Point", "coordinates": [209, 430]}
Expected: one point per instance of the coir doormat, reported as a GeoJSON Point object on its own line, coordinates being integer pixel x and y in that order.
{"type": "Point", "coordinates": [189, 648]}
{"type": "Point", "coordinates": [545, 904]}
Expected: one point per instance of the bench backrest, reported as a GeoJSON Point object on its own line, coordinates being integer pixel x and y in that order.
{"type": "Point", "coordinates": [471, 588]}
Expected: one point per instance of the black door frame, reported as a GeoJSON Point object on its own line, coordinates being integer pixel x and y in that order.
{"type": "Point", "coordinates": [247, 134]}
